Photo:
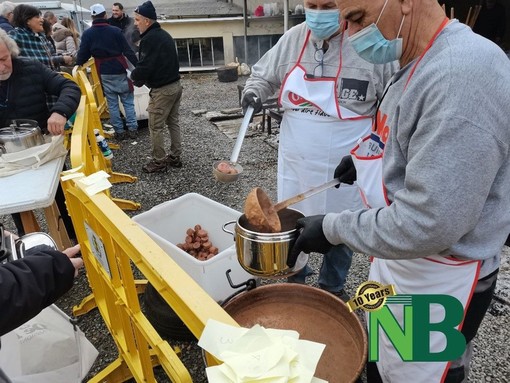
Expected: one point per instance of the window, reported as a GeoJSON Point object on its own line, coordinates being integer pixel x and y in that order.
{"type": "Point", "coordinates": [198, 53]}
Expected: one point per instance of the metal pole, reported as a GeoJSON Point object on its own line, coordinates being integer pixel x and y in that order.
{"type": "Point", "coordinates": [245, 17]}
{"type": "Point", "coordinates": [285, 15]}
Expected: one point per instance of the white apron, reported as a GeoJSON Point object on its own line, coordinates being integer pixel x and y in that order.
{"type": "Point", "coordinates": [437, 274]}
{"type": "Point", "coordinates": [316, 132]}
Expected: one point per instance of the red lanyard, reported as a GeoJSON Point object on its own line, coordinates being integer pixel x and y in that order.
{"type": "Point", "coordinates": [441, 27]}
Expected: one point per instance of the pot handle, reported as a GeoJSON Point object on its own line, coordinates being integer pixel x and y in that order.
{"type": "Point", "coordinates": [224, 227]}
{"type": "Point", "coordinates": [2, 149]}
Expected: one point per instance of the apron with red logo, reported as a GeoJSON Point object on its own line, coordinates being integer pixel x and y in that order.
{"type": "Point", "coordinates": [433, 274]}
{"type": "Point", "coordinates": [316, 132]}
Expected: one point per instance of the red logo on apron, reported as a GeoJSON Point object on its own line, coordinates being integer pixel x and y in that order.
{"type": "Point", "coordinates": [296, 99]}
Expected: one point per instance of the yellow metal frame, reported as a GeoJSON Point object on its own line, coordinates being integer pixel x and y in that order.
{"type": "Point", "coordinates": [111, 245]}
{"type": "Point", "coordinates": [126, 245]}
{"type": "Point", "coordinates": [90, 71]}
{"type": "Point", "coordinates": [90, 156]}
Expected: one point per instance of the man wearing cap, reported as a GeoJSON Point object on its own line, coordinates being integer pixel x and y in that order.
{"type": "Point", "coordinates": [158, 68]}
{"type": "Point", "coordinates": [110, 49]}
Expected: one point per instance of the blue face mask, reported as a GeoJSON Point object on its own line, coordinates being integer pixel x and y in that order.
{"type": "Point", "coordinates": [373, 47]}
{"type": "Point", "coordinates": [322, 23]}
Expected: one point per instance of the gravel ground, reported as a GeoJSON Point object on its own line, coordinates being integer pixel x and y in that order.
{"type": "Point", "coordinates": [203, 144]}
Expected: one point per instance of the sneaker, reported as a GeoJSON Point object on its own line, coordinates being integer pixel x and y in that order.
{"type": "Point", "coordinates": [341, 294]}
{"type": "Point", "coordinates": [132, 134]}
{"type": "Point", "coordinates": [174, 162]}
{"type": "Point", "coordinates": [155, 166]}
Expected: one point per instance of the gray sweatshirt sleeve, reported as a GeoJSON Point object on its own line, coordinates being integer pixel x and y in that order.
{"type": "Point", "coordinates": [429, 214]}
{"type": "Point", "coordinates": [446, 164]}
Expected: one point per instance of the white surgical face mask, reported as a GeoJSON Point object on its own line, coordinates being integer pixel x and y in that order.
{"type": "Point", "coordinates": [373, 47]}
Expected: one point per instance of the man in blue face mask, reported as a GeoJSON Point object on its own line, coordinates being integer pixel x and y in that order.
{"type": "Point", "coordinates": [329, 96]}
{"type": "Point", "coordinates": [434, 173]}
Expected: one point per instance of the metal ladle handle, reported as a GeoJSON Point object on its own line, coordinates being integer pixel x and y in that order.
{"type": "Point", "coordinates": [301, 196]}
{"type": "Point", "coordinates": [241, 134]}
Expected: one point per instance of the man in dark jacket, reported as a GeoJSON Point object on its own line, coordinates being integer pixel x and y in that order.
{"type": "Point", "coordinates": [110, 49]}
{"type": "Point", "coordinates": [126, 24]}
{"type": "Point", "coordinates": [24, 84]}
{"type": "Point", "coordinates": [158, 68]}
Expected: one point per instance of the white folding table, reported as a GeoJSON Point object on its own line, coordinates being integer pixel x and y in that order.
{"type": "Point", "coordinates": [35, 189]}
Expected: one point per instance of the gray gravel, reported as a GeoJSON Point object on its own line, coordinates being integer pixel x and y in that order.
{"type": "Point", "coordinates": [203, 144]}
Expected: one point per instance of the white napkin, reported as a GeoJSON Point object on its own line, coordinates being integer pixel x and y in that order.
{"type": "Point", "coordinates": [259, 355]}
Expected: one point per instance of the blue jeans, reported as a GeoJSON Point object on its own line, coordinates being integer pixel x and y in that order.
{"type": "Point", "coordinates": [334, 269]}
{"type": "Point", "coordinates": [116, 86]}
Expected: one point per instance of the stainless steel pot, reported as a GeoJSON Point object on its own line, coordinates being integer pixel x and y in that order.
{"type": "Point", "coordinates": [265, 254]}
{"type": "Point", "coordinates": [13, 249]}
{"type": "Point", "coordinates": [22, 134]}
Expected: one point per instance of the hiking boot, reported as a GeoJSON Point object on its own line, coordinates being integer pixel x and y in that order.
{"type": "Point", "coordinates": [120, 136]}
{"type": "Point", "coordinates": [132, 134]}
{"type": "Point", "coordinates": [174, 162]}
{"type": "Point", "coordinates": [155, 167]}
{"type": "Point", "coordinates": [341, 294]}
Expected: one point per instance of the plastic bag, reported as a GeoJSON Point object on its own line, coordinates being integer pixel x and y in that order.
{"type": "Point", "coordinates": [32, 158]}
{"type": "Point", "coordinates": [244, 69]}
{"type": "Point", "coordinates": [47, 349]}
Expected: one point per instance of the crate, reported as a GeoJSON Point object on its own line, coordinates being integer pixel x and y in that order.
{"type": "Point", "coordinates": [167, 223]}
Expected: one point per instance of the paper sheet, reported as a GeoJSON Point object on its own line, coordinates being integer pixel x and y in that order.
{"type": "Point", "coordinates": [96, 182]}
{"type": "Point", "coordinates": [259, 355]}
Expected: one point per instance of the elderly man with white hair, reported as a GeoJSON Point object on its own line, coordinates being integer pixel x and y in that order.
{"type": "Point", "coordinates": [24, 84]}
{"type": "Point", "coordinates": [6, 15]}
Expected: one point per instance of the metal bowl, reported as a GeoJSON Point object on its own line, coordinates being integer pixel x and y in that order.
{"type": "Point", "coordinates": [317, 315]}
{"type": "Point", "coordinates": [224, 177]}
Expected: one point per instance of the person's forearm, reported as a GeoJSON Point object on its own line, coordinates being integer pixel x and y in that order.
{"type": "Point", "coordinates": [30, 284]}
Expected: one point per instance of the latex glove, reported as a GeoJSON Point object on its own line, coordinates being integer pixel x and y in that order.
{"type": "Point", "coordinates": [310, 238]}
{"type": "Point", "coordinates": [346, 171]}
{"type": "Point", "coordinates": [252, 99]}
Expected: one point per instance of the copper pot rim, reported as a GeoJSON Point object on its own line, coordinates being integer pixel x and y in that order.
{"type": "Point", "coordinates": [268, 300]}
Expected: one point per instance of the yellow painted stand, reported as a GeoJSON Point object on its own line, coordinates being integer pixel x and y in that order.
{"type": "Point", "coordinates": [111, 244]}
{"type": "Point", "coordinates": [83, 135]}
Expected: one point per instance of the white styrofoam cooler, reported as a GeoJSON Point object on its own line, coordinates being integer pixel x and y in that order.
{"type": "Point", "coordinates": [167, 223]}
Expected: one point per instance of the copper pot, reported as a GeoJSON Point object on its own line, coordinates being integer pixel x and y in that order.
{"type": "Point", "coordinates": [316, 315]}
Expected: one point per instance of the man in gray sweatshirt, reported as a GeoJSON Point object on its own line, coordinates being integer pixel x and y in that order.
{"type": "Point", "coordinates": [434, 173]}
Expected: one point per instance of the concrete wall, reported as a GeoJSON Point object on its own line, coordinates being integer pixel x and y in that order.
{"type": "Point", "coordinates": [227, 28]}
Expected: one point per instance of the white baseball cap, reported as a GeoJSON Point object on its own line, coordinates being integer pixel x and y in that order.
{"type": "Point", "coordinates": [97, 9]}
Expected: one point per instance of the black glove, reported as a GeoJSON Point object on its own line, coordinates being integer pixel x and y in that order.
{"type": "Point", "coordinates": [252, 99]}
{"type": "Point", "coordinates": [346, 171]}
{"type": "Point", "coordinates": [311, 238]}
